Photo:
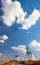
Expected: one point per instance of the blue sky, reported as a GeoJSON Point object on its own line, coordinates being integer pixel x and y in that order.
{"type": "Point", "coordinates": [16, 33]}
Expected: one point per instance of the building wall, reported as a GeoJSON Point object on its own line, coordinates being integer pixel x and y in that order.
{"type": "Point", "coordinates": [31, 56]}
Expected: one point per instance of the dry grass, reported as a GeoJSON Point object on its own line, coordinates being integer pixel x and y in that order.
{"type": "Point", "coordinates": [14, 62]}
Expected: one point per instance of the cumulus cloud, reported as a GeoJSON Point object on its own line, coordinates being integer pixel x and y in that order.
{"type": "Point", "coordinates": [3, 38]}
{"type": "Point", "coordinates": [20, 48]}
{"type": "Point", "coordinates": [35, 45]}
{"type": "Point", "coordinates": [13, 10]}
{"type": "Point", "coordinates": [31, 20]}
{"type": "Point", "coordinates": [2, 41]}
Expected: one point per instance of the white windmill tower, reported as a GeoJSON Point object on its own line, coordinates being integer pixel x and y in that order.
{"type": "Point", "coordinates": [30, 55]}
{"type": "Point", "coordinates": [17, 58]}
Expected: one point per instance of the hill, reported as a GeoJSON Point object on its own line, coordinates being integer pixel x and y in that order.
{"type": "Point", "coordinates": [14, 62]}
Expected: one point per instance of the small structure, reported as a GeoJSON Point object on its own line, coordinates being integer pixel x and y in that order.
{"type": "Point", "coordinates": [17, 58]}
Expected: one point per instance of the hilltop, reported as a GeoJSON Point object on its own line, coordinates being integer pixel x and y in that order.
{"type": "Point", "coordinates": [14, 62]}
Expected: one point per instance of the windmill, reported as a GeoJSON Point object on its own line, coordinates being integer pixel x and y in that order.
{"type": "Point", "coordinates": [29, 54]}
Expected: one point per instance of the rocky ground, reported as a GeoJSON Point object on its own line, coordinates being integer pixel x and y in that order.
{"type": "Point", "coordinates": [14, 62]}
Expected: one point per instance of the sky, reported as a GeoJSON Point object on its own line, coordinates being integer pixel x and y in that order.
{"type": "Point", "coordinates": [19, 28]}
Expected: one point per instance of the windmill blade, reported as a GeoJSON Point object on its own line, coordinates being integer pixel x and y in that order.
{"type": "Point", "coordinates": [27, 48]}
{"type": "Point", "coordinates": [37, 57]}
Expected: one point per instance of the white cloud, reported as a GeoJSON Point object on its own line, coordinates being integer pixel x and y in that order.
{"type": "Point", "coordinates": [0, 54]}
{"type": "Point", "coordinates": [31, 20]}
{"type": "Point", "coordinates": [13, 10]}
{"type": "Point", "coordinates": [20, 48]}
{"type": "Point", "coordinates": [2, 41]}
{"type": "Point", "coordinates": [35, 45]}
{"type": "Point", "coordinates": [3, 38]}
